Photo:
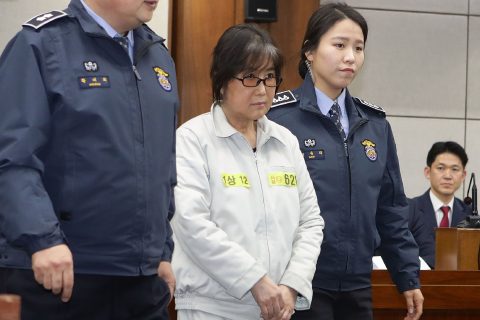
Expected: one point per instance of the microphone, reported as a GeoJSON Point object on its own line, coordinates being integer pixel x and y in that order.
{"type": "Point", "coordinates": [474, 196]}
{"type": "Point", "coordinates": [468, 200]}
{"type": "Point", "coordinates": [473, 220]}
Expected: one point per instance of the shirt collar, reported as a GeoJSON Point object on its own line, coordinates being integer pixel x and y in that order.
{"type": "Point", "coordinates": [325, 103]}
{"type": "Point", "coordinates": [105, 25]}
{"type": "Point", "coordinates": [437, 203]}
{"type": "Point", "coordinates": [224, 129]}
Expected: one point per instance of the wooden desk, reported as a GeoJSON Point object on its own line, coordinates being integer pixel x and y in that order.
{"type": "Point", "coordinates": [9, 307]}
{"type": "Point", "coordinates": [457, 249]}
{"type": "Point", "coordinates": [448, 295]}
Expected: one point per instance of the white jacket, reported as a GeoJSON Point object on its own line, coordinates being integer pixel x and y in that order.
{"type": "Point", "coordinates": [241, 215]}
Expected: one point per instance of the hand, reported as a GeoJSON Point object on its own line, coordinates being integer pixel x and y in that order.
{"type": "Point", "coordinates": [53, 268]}
{"type": "Point", "coordinates": [166, 273]}
{"type": "Point", "coordinates": [289, 297]}
{"type": "Point", "coordinates": [268, 297]}
{"type": "Point", "coordinates": [414, 299]}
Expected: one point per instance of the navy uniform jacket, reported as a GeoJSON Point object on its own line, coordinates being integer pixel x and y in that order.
{"type": "Point", "coordinates": [359, 190]}
{"type": "Point", "coordinates": [87, 150]}
{"type": "Point", "coordinates": [423, 223]}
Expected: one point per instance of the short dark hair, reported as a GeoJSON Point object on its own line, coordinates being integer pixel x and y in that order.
{"type": "Point", "coordinates": [321, 21]}
{"type": "Point", "coordinates": [242, 48]}
{"type": "Point", "coordinates": [446, 147]}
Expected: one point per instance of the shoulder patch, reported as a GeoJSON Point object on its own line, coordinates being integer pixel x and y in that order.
{"type": "Point", "coordinates": [369, 105]}
{"type": "Point", "coordinates": [284, 97]}
{"type": "Point", "coordinates": [42, 19]}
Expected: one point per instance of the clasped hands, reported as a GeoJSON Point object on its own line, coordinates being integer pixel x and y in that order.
{"type": "Point", "coordinates": [276, 302]}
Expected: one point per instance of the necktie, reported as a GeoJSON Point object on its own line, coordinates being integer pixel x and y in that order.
{"type": "Point", "coordinates": [334, 114]}
{"type": "Point", "coordinates": [444, 223]}
{"type": "Point", "coordinates": [123, 41]}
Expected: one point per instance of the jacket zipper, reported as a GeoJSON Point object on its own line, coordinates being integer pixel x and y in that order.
{"type": "Point", "coordinates": [142, 129]}
{"type": "Point", "coordinates": [347, 156]}
{"type": "Point", "coordinates": [263, 200]}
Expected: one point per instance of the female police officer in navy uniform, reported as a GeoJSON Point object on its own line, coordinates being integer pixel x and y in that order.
{"type": "Point", "coordinates": [351, 156]}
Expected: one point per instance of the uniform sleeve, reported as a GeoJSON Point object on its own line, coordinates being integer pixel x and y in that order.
{"type": "Point", "coordinates": [399, 250]}
{"type": "Point", "coordinates": [169, 245]}
{"type": "Point", "coordinates": [207, 245]}
{"type": "Point", "coordinates": [27, 218]}
{"type": "Point", "coordinates": [307, 242]}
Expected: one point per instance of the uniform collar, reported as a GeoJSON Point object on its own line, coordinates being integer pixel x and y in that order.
{"type": "Point", "coordinates": [112, 33]}
{"type": "Point", "coordinates": [223, 129]}
{"type": "Point", "coordinates": [308, 98]}
{"type": "Point", "coordinates": [308, 102]}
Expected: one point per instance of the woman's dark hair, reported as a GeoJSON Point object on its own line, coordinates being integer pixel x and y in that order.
{"type": "Point", "coordinates": [446, 147]}
{"type": "Point", "coordinates": [242, 48]}
{"type": "Point", "coordinates": [321, 21]}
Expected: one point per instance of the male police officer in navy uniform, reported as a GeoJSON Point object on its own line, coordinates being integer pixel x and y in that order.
{"type": "Point", "coordinates": [87, 163]}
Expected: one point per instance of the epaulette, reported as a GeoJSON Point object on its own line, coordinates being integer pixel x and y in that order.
{"type": "Point", "coordinates": [284, 97]}
{"type": "Point", "coordinates": [369, 105]}
{"type": "Point", "coordinates": [42, 19]}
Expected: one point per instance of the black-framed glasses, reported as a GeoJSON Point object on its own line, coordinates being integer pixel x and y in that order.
{"type": "Point", "coordinates": [251, 81]}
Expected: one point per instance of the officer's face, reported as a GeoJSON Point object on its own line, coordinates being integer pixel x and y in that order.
{"type": "Point", "coordinates": [243, 105]}
{"type": "Point", "coordinates": [124, 15]}
{"type": "Point", "coordinates": [446, 174]}
{"type": "Point", "coordinates": [338, 57]}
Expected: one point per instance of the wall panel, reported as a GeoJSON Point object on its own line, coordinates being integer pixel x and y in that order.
{"type": "Point", "coordinates": [415, 63]}
{"type": "Point", "coordinates": [197, 25]}
{"type": "Point", "coordinates": [414, 137]}
{"type": "Point", "coordinates": [473, 94]}
{"type": "Point", "coordinates": [13, 13]}
{"type": "Point", "coordinates": [439, 6]}
{"type": "Point", "coordinates": [288, 34]}
{"type": "Point", "coordinates": [473, 149]}
{"type": "Point", "coordinates": [475, 7]}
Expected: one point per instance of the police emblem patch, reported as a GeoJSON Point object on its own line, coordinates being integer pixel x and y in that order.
{"type": "Point", "coordinates": [370, 151]}
{"type": "Point", "coordinates": [309, 143]}
{"type": "Point", "coordinates": [90, 66]}
{"type": "Point", "coordinates": [162, 77]}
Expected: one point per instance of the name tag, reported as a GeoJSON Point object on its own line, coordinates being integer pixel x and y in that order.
{"type": "Point", "coordinates": [94, 82]}
{"type": "Point", "coordinates": [318, 154]}
{"type": "Point", "coordinates": [286, 179]}
{"type": "Point", "coordinates": [235, 180]}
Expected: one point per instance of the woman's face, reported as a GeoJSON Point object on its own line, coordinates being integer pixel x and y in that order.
{"type": "Point", "coordinates": [338, 57]}
{"type": "Point", "coordinates": [246, 104]}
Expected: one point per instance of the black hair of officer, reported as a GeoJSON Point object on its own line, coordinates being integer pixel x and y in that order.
{"type": "Point", "coordinates": [321, 21]}
{"type": "Point", "coordinates": [446, 147]}
{"type": "Point", "coordinates": [242, 48]}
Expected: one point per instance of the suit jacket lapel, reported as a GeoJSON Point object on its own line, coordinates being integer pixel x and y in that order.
{"type": "Point", "coordinates": [426, 207]}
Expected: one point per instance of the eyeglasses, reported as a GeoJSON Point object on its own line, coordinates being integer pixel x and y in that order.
{"type": "Point", "coordinates": [253, 81]}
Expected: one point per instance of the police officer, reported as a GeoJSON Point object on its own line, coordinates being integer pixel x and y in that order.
{"type": "Point", "coordinates": [87, 163]}
{"type": "Point", "coordinates": [351, 156]}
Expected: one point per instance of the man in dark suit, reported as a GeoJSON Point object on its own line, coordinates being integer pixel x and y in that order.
{"type": "Point", "coordinates": [438, 207]}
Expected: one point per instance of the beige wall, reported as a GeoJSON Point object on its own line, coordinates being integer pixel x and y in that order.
{"type": "Point", "coordinates": [14, 12]}
{"type": "Point", "coordinates": [422, 67]}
